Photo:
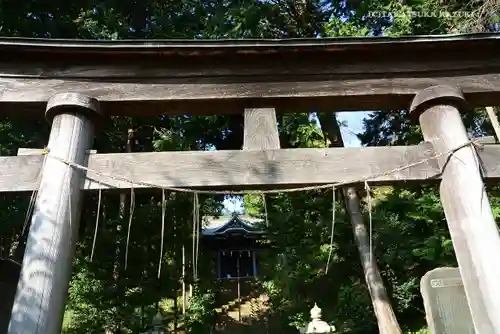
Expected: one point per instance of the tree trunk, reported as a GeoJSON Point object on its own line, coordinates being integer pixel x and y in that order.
{"type": "Point", "coordinates": [386, 319]}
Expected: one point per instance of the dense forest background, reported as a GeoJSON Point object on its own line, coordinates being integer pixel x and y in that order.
{"type": "Point", "coordinates": [410, 235]}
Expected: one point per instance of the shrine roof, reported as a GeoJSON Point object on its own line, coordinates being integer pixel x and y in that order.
{"type": "Point", "coordinates": [219, 225]}
{"type": "Point", "coordinates": [203, 47]}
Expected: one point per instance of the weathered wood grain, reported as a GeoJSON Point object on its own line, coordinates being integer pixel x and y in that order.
{"type": "Point", "coordinates": [248, 169]}
{"type": "Point", "coordinates": [218, 77]}
{"type": "Point", "coordinates": [27, 97]}
{"type": "Point", "coordinates": [139, 70]}
{"type": "Point", "coordinates": [470, 219]}
{"type": "Point", "coordinates": [46, 268]}
{"type": "Point", "coordinates": [260, 131]}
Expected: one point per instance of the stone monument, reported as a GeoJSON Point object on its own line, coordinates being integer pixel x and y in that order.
{"type": "Point", "coordinates": [446, 307]}
{"type": "Point", "coordinates": [317, 325]}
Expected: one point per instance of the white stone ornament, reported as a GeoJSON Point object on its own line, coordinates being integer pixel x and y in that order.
{"type": "Point", "coordinates": [317, 325]}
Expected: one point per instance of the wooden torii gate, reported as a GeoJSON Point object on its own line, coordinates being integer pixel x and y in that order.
{"type": "Point", "coordinates": [79, 82]}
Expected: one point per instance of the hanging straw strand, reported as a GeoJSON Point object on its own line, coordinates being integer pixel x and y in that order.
{"type": "Point", "coordinates": [196, 236]}
{"type": "Point", "coordinates": [31, 206]}
{"type": "Point", "coordinates": [369, 202]}
{"type": "Point", "coordinates": [96, 224]}
{"type": "Point", "coordinates": [265, 208]}
{"type": "Point", "coordinates": [334, 201]}
{"type": "Point", "coordinates": [131, 216]}
{"type": "Point", "coordinates": [196, 218]}
{"type": "Point", "coordinates": [163, 212]}
{"type": "Point", "coordinates": [34, 194]}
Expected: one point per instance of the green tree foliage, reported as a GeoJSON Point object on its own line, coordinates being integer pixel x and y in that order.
{"type": "Point", "coordinates": [201, 316]}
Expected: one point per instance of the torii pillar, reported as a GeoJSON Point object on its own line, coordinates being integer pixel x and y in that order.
{"type": "Point", "coordinates": [46, 269]}
{"type": "Point", "coordinates": [465, 203]}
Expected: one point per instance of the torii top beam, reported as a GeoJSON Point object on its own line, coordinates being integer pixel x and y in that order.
{"type": "Point", "coordinates": [154, 77]}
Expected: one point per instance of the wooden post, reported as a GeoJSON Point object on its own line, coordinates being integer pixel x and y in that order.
{"type": "Point", "coordinates": [260, 132]}
{"type": "Point", "coordinates": [46, 269]}
{"type": "Point", "coordinates": [465, 203]}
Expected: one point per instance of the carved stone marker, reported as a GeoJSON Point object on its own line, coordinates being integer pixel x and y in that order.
{"type": "Point", "coordinates": [446, 307]}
